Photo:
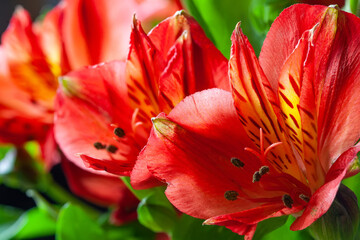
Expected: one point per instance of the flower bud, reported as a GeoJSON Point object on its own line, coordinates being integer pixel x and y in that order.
{"type": "Point", "coordinates": [341, 220]}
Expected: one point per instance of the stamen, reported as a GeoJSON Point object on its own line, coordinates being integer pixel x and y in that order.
{"type": "Point", "coordinates": [262, 155]}
{"type": "Point", "coordinates": [304, 197]}
{"type": "Point", "coordinates": [256, 177]}
{"type": "Point", "coordinates": [111, 148]}
{"type": "Point", "coordinates": [236, 162]}
{"type": "Point", "coordinates": [263, 170]}
{"type": "Point", "coordinates": [287, 200]}
{"type": "Point", "coordinates": [231, 195]}
{"type": "Point", "coordinates": [99, 145]}
{"type": "Point", "coordinates": [119, 132]}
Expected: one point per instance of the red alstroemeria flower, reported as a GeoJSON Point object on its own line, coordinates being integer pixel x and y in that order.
{"type": "Point", "coordinates": [103, 114]}
{"type": "Point", "coordinates": [98, 31]}
{"type": "Point", "coordinates": [299, 106]}
{"type": "Point", "coordinates": [34, 55]}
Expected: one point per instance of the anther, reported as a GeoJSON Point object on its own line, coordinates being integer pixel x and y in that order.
{"type": "Point", "coordinates": [263, 170]}
{"type": "Point", "coordinates": [256, 177]}
{"type": "Point", "coordinates": [119, 132]}
{"type": "Point", "coordinates": [231, 195]}
{"type": "Point", "coordinates": [99, 145]}
{"type": "Point", "coordinates": [287, 200]}
{"type": "Point", "coordinates": [236, 162]}
{"type": "Point", "coordinates": [304, 197]}
{"type": "Point", "coordinates": [112, 148]}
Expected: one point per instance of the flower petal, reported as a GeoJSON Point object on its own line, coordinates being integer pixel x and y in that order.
{"type": "Point", "coordinates": [94, 187]}
{"type": "Point", "coordinates": [91, 104]}
{"type": "Point", "coordinates": [322, 199]}
{"type": "Point", "coordinates": [339, 112]}
{"type": "Point", "coordinates": [143, 68]}
{"type": "Point", "coordinates": [96, 31]}
{"type": "Point", "coordinates": [193, 62]}
{"type": "Point", "coordinates": [257, 106]}
{"type": "Point", "coordinates": [192, 148]}
{"type": "Point", "coordinates": [284, 35]}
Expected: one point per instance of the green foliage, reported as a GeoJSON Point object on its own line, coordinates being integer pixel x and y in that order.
{"type": "Point", "coordinates": [263, 13]}
{"type": "Point", "coordinates": [219, 18]}
{"type": "Point", "coordinates": [192, 228]}
{"type": "Point", "coordinates": [156, 213]}
{"type": "Point", "coordinates": [284, 233]}
{"type": "Point", "coordinates": [16, 224]}
{"type": "Point", "coordinates": [268, 226]}
{"type": "Point", "coordinates": [353, 183]}
{"type": "Point", "coordinates": [355, 7]}
{"type": "Point", "coordinates": [75, 223]}
{"type": "Point", "coordinates": [141, 194]}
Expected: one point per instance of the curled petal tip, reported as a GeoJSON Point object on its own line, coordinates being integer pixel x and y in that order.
{"type": "Point", "coordinates": [335, 6]}
{"type": "Point", "coordinates": [209, 221]}
{"type": "Point", "coordinates": [134, 21]}
{"type": "Point", "coordinates": [180, 13]}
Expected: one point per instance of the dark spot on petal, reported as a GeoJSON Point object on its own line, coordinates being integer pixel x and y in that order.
{"type": "Point", "coordinates": [287, 200]}
{"type": "Point", "coordinates": [236, 162]}
{"type": "Point", "coordinates": [256, 177]}
{"type": "Point", "coordinates": [304, 197]}
{"type": "Point", "coordinates": [263, 170]}
{"type": "Point", "coordinates": [99, 145]}
{"type": "Point", "coordinates": [111, 148]}
{"type": "Point", "coordinates": [231, 195]}
{"type": "Point", "coordinates": [119, 132]}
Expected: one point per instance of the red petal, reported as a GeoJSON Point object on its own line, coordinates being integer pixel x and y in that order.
{"type": "Point", "coordinates": [143, 68]}
{"type": "Point", "coordinates": [244, 223]}
{"type": "Point", "coordinates": [257, 106]}
{"type": "Point", "coordinates": [322, 199]}
{"type": "Point", "coordinates": [191, 150]}
{"type": "Point", "coordinates": [97, 188]}
{"type": "Point", "coordinates": [90, 101]}
{"type": "Point", "coordinates": [191, 56]}
{"type": "Point", "coordinates": [284, 35]}
{"type": "Point", "coordinates": [140, 176]}
{"type": "Point", "coordinates": [339, 112]}
{"type": "Point", "coordinates": [98, 31]}
{"type": "Point", "coordinates": [29, 67]}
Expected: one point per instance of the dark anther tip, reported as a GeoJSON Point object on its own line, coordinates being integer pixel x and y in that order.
{"type": "Point", "coordinates": [111, 148]}
{"type": "Point", "coordinates": [231, 195]}
{"type": "Point", "coordinates": [287, 200]}
{"type": "Point", "coordinates": [256, 177]}
{"type": "Point", "coordinates": [236, 162]}
{"type": "Point", "coordinates": [119, 132]}
{"type": "Point", "coordinates": [99, 145]}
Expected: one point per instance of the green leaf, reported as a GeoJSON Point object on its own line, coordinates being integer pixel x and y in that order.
{"type": "Point", "coordinates": [31, 224]}
{"type": "Point", "coordinates": [8, 218]}
{"type": "Point", "coordinates": [284, 233]}
{"type": "Point", "coordinates": [75, 223]}
{"type": "Point", "coordinates": [218, 19]}
{"type": "Point", "coordinates": [268, 226]}
{"type": "Point", "coordinates": [37, 223]}
{"type": "Point", "coordinates": [7, 163]}
{"type": "Point", "coordinates": [192, 228]}
{"type": "Point", "coordinates": [156, 213]}
{"type": "Point", "coordinates": [353, 184]}
{"type": "Point", "coordinates": [130, 231]}
{"type": "Point", "coordinates": [141, 194]}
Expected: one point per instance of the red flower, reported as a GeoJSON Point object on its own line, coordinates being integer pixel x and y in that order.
{"type": "Point", "coordinates": [302, 95]}
{"type": "Point", "coordinates": [103, 114]}
{"type": "Point", "coordinates": [33, 56]}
